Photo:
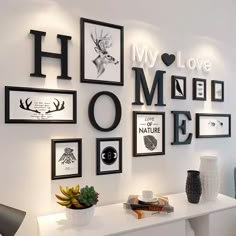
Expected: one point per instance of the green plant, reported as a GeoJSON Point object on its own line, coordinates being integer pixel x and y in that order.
{"type": "Point", "coordinates": [76, 198]}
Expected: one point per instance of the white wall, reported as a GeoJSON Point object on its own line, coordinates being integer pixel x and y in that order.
{"type": "Point", "coordinates": [197, 28]}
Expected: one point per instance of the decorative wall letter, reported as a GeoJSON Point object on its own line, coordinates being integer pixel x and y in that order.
{"type": "Point", "coordinates": [181, 127]}
{"type": "Point", "coordinates": [38, 54]}
{"type": "Point", "coordinates": [141, 80]}
{"type": "Point", "coordinates": [117, 106]}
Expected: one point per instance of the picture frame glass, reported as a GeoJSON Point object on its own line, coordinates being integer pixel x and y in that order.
{"type": "Point", "coordinates": [41, 105]}
{"type": "Point", "coordinates": [214, 125]}
{"type": "Point", "coordinates": [149, 133]}
{"type": "Point", "coordinates": [66, 158]}
{"type": "Point", "coordinates": [109, 156]}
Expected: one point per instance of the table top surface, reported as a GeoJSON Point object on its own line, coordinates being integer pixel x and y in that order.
{"type": "Point", "coordinates": [114, 219]}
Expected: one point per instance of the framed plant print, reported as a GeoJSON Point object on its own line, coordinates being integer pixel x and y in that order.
{"type": "Point", "coordinates": [33, 105]}
{"type": "Point", "coordinates": [178, 87]}
{"type": "Point", "coordinates": [109, 156]}
{"type": "Point", "coordinates": [213, 125]}
{"type": "Point", "coordinates": [199, 89]}
{"type": "Point", "coordinates": [217, 91]}
{"type": "Point", "coordinates": [66, 158]}
{"type": "Point", "coordinates": [102, 52]}
{"type": "Point", "coordinates": [148, 133]}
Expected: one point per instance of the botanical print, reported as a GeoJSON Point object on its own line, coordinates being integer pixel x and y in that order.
{"type": "Point", "coordinates": [179, 87]}
{"type": "Point", "coordinates": [148, 133]}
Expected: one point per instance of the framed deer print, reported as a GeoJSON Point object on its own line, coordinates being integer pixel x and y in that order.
{"type": "Point", "coordinates": [33, 105]}
{"type": "Point", "coordinates": [109, 156]}
{"type": "Point", "coordinates": [66, 158]}
{"type": "Point", "coordinates": [213, 125]}
{"type": "Point", "coordinates": [148, 133]}
{"type": "Point", "coordinates": [102, 52]}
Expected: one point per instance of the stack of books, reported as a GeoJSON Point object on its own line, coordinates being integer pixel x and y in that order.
{"type": "Point", "coordinates": [142, 209]}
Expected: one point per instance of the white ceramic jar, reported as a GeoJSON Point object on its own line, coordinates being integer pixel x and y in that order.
{"type": "Point", "coordinates": [209, 175]}
{"type": "Point", "coordinates": [80, 216]}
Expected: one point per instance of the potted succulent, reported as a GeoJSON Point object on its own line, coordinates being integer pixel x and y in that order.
{"type": "Point", "coordinates": [79, 203]}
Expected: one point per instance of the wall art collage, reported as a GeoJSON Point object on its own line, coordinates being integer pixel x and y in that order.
{"type": "Point", "coordinates": [102, 62]}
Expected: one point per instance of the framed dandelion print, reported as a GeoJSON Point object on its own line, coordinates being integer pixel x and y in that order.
{"type": "Point", "coordinates": [66, 158]}
{"type": "Point", "coordinates": [148, 133]}
{"type": "Point", "coordinates": [109, 156]}
{"type": "Point", "coordinates": [199, 89]}
{"type": "Point", "coordinates": [102, 52]}
{"type": "Point", "coordinates": [217, 91]}
{"type": "Point", "coordinates": [178, 87]}
{"type": "Point", "coordinates": [213, 125]}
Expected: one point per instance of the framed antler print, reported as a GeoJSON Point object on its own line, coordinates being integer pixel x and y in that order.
{"type": "Point", "coordinates": [66, 158]}
{"type": "Point", "coordinates": [102, 52]}
{"type": "Point", "coordinates": [33, 105]}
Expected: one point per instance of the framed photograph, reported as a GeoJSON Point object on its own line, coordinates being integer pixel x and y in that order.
{"type": "Point", "coordinates": [178, 87]}
{"type": "Point", "coordinates": [148, 133]}
{"type": "Point", "coordinates": [213, 125]}
{"type": "Point", "coordinates": [217, 91]}
{"type": "Point", "coordinates": [199, 89]}
{"type": "Point", "coordinates": [109, 156]}
{"type": "Point", "coordinates": [102, 52]}
{"type": "Point", "coordinates": [66, 158]}
{"type": "Point", "coordinates": [33, 105]}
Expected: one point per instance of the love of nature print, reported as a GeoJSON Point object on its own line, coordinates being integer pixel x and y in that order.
{"type": "Point", "coordinates": [101, 52]}
{"type": "Point", "coordinates": [213, 125]}
{"type": "Point", "coordinates": [66, 158]}
{"type": "Point", "coordinates": [148, 133]}
{"type": "Point", "coordinates": [109, 156]}
{"type": "Point", "coordinates": [217, 91]}
{"type": "Point", "coordinates": [178, 87]}
{"type": "Point", "coordinates": [199, 89]}
{"type": "Point", "coordinates": [31, 105]}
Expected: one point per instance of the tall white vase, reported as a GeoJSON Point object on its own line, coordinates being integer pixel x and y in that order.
{"type": "Point", "coordinates": [209, 175]}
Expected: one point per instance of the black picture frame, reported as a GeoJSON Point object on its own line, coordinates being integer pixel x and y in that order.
{"type": "Point", "coordinates": [66, 147]}
{"type": "Point", "coordinates": [94, 51]}
{"type": "Point", "coordinates": [178, 87]}
{"type": "Point", "coordinates": [105, 164]}
{"type": "Point", "coordinates": [211, 125]}
{"type": "Point", "coordinates": [144, 144]}
{"type": "Point", "coordinates": [19, 99]}
{"type": "Point", "coordinates": [217, 91]}
{"type": "Point", "coordinates": [199, 89]}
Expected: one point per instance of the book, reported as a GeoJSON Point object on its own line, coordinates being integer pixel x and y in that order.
{"type": "Point", "coordinates": [139, 207]}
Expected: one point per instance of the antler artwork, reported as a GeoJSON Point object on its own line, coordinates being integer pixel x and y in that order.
{"type": "Point", "coordinates": [102, 42]}
{"type": "Point", "coordinates": [27, 106]}
{"type": "Point", "coordinates": [58, 106]}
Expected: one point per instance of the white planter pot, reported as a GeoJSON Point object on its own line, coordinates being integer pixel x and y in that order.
{"type": "Point", "coordinates": [80, 216]}
{"type": "Point", "coordinates": [209, 175]}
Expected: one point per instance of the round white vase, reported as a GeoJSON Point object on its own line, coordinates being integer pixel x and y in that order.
{"type": "Point", "coordinates": [80, 217]}
{"type": "Point", "coordinates": [209, 175]}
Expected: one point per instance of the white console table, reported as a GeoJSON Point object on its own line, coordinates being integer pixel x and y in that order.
{"type": "Point", "coordinates": [213, 218]}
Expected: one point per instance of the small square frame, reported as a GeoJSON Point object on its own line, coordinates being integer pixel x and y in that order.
{"type": "Point", "coordinates": [217, 91]}
{"type": "Point", "coordinates": [106, 162]}
{"type": "Point", "coordinates": [199, 89]}
{"type": "Point", "coordinates": [178, 87]}
{"type": "Point", "coordinates": [62, 151]}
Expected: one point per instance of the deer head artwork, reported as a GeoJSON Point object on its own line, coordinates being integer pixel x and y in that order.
{"type": "Point", "coordinates": [102, 43]}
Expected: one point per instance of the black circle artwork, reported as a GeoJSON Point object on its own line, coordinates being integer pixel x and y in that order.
{"type": "Point", "coordinates": [109, 155]}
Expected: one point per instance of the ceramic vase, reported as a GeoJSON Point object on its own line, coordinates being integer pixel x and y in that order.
{"type": "Point", "coordinates": [193, 186]}
{"type": "Point", "coordinates": [209, 177]}
{"type": "Point", "coordinates": [80, 217]}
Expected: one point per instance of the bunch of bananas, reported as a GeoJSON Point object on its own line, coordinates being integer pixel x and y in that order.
{"type": "Point", "coordinates": [70, 198]}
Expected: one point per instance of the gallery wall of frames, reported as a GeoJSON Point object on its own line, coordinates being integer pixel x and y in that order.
{"type": "Point", "coordinates": [102, 62]}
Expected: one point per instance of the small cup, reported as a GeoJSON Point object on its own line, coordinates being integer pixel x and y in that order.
{"type": "Point", "coordinates": [147, 195]}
